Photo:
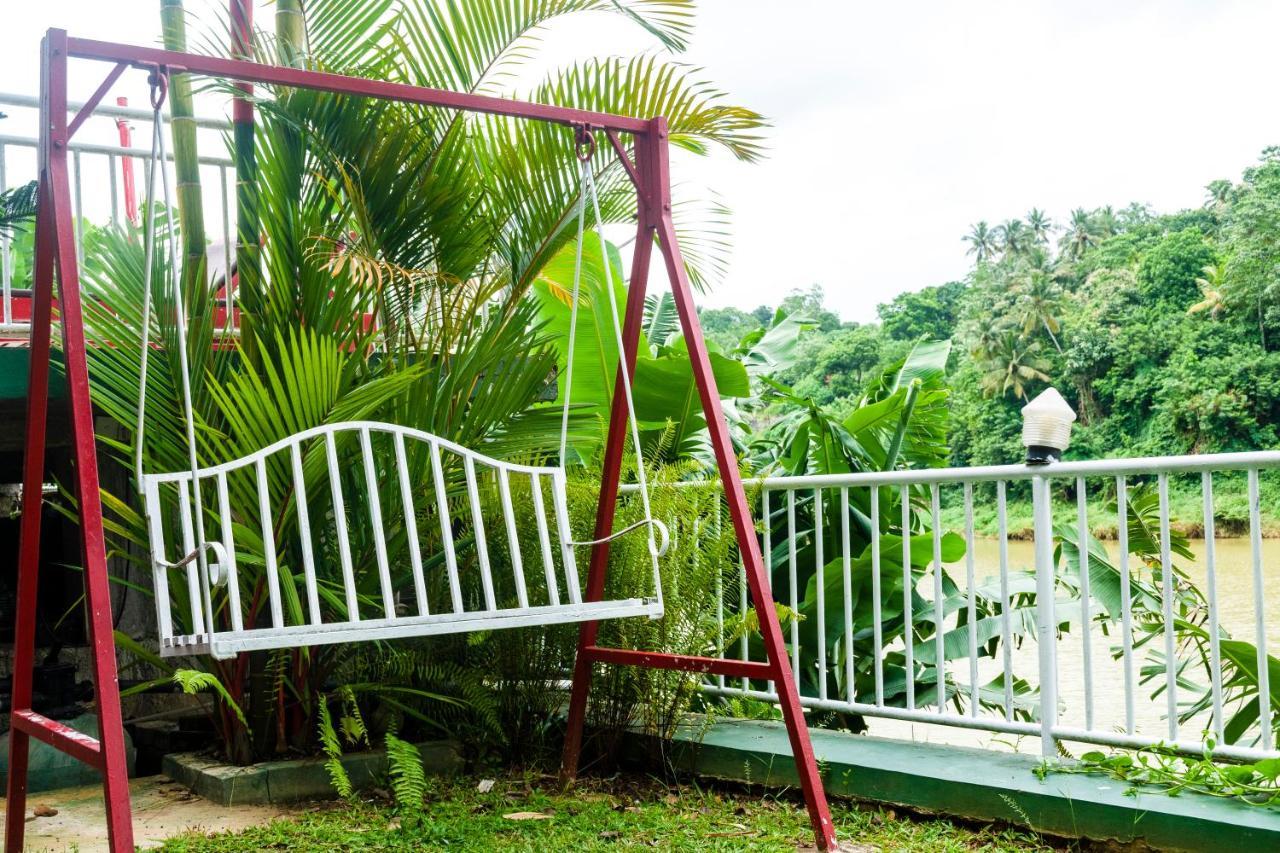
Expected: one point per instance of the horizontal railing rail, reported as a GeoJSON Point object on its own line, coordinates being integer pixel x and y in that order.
{"type": "Point", "coordinates": [1124, 643]}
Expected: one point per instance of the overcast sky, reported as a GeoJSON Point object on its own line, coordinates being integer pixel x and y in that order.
{"type": "Point", "coordinates": [897, 125]}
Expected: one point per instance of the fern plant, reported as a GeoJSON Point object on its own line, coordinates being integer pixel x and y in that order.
{"type": "Point", "coordinates": [407, 775]}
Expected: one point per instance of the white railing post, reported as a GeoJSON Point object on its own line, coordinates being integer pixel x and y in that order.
{"type": "Point", "coordinates": [1046, 621]}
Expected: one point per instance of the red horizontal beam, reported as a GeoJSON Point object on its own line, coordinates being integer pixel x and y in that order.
{"type": "Point", "coordinates": [684, 663]}
{"type": "Point", "coordinates": [76, 744]}
{"type": "Point", "coordinates": [253, 72]}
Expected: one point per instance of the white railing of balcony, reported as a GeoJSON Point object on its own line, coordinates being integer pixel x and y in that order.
{"type": "Point", "coordinates": [1147, 652]}
{"type": "Point", "coordinates": [99, 203]}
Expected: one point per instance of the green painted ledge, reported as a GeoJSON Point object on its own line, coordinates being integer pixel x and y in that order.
{"type": "Point", "coordinates": [978, 784]}
{"type": "Point", "coordinates": [14, 364]}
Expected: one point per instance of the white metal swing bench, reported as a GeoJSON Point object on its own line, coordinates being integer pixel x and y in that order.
{"type": "Point", "coordinates": [385, 451]}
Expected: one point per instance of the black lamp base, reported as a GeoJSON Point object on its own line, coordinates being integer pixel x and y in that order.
{"type": "Point", "coordinates": [1043, 454]}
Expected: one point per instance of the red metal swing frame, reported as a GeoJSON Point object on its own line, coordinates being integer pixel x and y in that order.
{"type": "Point", "coordinates": [55, 250]}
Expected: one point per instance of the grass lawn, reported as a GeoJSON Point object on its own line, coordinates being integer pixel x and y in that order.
{"type": "Point", "coordinates": [529, 813]}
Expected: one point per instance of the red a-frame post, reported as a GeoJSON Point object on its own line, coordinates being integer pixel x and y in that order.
{"type": "Point", "coordinates": [650, 172]}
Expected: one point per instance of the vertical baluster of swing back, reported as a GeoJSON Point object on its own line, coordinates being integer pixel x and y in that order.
{"type": "Point", "coordinates": [1211, 584]}
{"type": "Point", "coordinates": [792, 582]}
{"type": "Point", "coordinates": [697, 523]}
{"type": "Point", "coordinates": [269, 545]}
{"type": "Point", "coordinates": [971, 582]}
{"type": "Point", "coordinates": [768, 548]}
{"type": "Point", "coordinates": [410, 525]}
{"type": "Point", "coordinates": [477, 521]}
{"type": "Point", "coordinates": [446, 529]}
{"type": "Point", "coordinates": [1265, 704]}
{"type": "Point", "coordinates": [159, 574]}
{"type": "Point", "coordinates": [229, 543]}
{"type": "Point", "coordinates": [340, 525]}
{"type": "Point", "coordinates": [111, 188]}
{"type": "Point", "coordinates": [375, 519]}
{"type": "Point", "coordinates": [1006, 628]}
{"type": "Point", "coordinates": [192, 572]}
{"type": "Point", "coordinates": [1086, 616]}
{"type": "Point", "coordinates": [908, 633]}
{"type": "Point", "coordinates": [513, 543]}
{"type": "Point", "coordinates": [820, 574]}
{"type": "Point", "coordinates": [544, 539]}
{"type": "Point", "coordinates": [228, 321]}
{"type": "Point", "coordinates": [876, 605]}
{"type": "Point", "coordinates": [1166, 575]}
{"type": "Point", "coordinates": [558, 488]}
{"type": "Point", "coordinates": [939, 634]}
{"type": "Point", "coordinates": [1126, 602]}
{"type": "Point", "coordinates": [744, 647]}
{"type": "Point", "coordinates": [846, 560]}
{"type": "Point", "coordinates": [304, 532]}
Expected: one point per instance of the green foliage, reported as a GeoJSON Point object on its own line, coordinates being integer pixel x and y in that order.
{"type": "Point", "coordinates": [930, 312]}
{"type": "Point", "coordinates": [407, 776]}
{"type": "Point", "coordinates": [1164, 768]}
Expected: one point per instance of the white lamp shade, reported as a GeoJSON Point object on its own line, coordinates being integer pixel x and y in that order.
{"type": "Point", "coordinates": [1046, 421]}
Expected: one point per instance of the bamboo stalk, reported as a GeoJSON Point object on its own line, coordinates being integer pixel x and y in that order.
{"type": "Point", "coordinates": [291, 33]}
{"type": "Point", "coordinates": [185, 163]}
{"type": "Point", "coordinates": [248, 245]}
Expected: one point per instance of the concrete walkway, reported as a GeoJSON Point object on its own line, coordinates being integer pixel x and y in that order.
{"type": "Point", "coordinates": [161, 809]}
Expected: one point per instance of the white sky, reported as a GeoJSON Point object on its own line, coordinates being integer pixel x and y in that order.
{"type": "Point", "coordinates": [897, 125]}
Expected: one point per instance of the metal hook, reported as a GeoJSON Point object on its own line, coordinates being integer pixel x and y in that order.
{"type": "Point", "coordinates": [584, 142]}
{"type": "Point", "coordinates": [159, 80]}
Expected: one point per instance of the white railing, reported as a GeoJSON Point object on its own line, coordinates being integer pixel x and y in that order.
{"type": "Point", "coordinates": [95, 201]}
{"type": "Point", "coordinates": [1147, 631]}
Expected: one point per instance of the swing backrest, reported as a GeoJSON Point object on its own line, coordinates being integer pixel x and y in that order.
{"type": "Point", "coordinates": [354, 496]}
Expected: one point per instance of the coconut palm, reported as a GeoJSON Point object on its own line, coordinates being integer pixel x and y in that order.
{"type": "Point", "coordinates": [1213, 287]}
{"type": "Point", "coordinates": [1013, 365]}
{"type": "Point", "coordinates": [1040, 303]}
{"type": "Point", "coordinates": [1013, 237]}
{"type": "Point", "coordinates": [982, 241]}
{"type": "Point", "coordinates": [1040, 225]}
{"type": "Point", "coordinates": [1081, 234]}
{"type": "Point", "coordinates": [1106, 221]}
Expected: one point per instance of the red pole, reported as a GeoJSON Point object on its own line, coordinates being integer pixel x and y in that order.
{"type": "Point", "coordinates": [126, 165]}
{"type": "Point", "coordinates": [55, 245]}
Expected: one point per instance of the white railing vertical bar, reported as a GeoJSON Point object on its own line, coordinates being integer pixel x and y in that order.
{"type": "Point", "coordinates": [482, 544]}
{"type": "Point", "coordinates": [411, 526]}
{"type": "Point", "coordinates": [340, 526]}
{"type": "Point", "coordinates": [1046, 620]}
{"type": "Point", "coordinates": [793, 599]}
{"type": "Point", "coordinates": [908, 621]}
{"type": "Point", "coordinates": [159, 574]}
{"type": "Point", "coordinates": [820, 574]}
{"type": "Point", "coordinates": [304, 532]}
{"type": "Point", "coordinates": [846, 560]}
{"type": "Point", "coordinates": [6, 271]}
{"type": "Point", "coordinates": [720, 649]}
{"type": "Point", "coordinates": [78, 230]}
{"type": "Point", "coordinates": [446, 528]}
{"type": "Point", "coordinates": [566, 536]}
{"type": "Point", "coordinates": [269, 546]}
{"type": "Point", "coordinates": [544, 540]}
{"type": "Point", "coordinates": [939, 618]}
{"type": "Point", "coordinates": [375, 520]}
{"type": "Point", "coordinates": [111, 188]}
{"type": "Point", "coordinates": [1006, 629]}
{"type": "Point", "coordinates": [1167, 593]}
{"type": "Point", "coordinates": [1126, 602]}
{"type": "Point", "coordinates": [877, 631]}
{"type": "Point", "coordinates": [1265, 709]}
{"type": "Point", "coordinates": [744, 647]}
{"type": "Point", "coordinates": [768, 548]}
{"type": "Point", "coordinates": [1211, 584]}
{"type": "Point", "coordinates": [229, 543]}
{"type": "Point", "coordinates": [1086, 616]}
{"type": "Point", "coordinates": [970, 573]}
{"type": "Point", "coordinates": [192, 573]}
{"type": "Point", "coordinates": [513, 543]}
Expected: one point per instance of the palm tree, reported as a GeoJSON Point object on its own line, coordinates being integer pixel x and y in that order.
{"type": "Point", "coordinates": [1040, 224]}
{"type": "Point", "coordinates": [1105, 220]}
{"type": "Point", "coordinates": [1081, 234]}
{"type": "Point", "coordinates": [1013, 366]}
{"type": "Point", "coordinates": [1213, 287]}
{"type": "Point", "coordinates": [1013, 237]}
{"type": "Point", "coordinates": [1039, 305]}
{"type": "Point", "coordinates": [982, 241]}
{"type": "Point", "coordinates": [1219, 193]}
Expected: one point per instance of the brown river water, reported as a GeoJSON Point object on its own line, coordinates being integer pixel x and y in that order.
{"type": "Point", "coordinates": [1235, 593]}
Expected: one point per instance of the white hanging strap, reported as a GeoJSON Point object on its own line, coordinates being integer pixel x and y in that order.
{"type": "Point", "coordinates": [159, 91]}
{"type": "Point", "coordinates": [657, 546]}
